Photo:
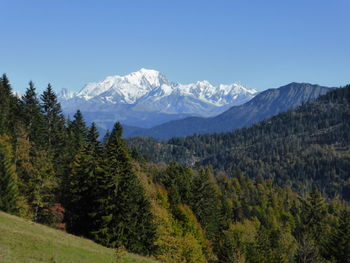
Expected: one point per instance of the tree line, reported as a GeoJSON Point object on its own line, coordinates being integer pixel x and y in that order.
{"type": "Point", "coordinates": [57, 172]}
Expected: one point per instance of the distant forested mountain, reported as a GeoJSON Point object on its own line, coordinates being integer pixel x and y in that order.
{"type": "Point", "coordinates": [262, 106]}
{"type": "Point", "coordinates": [302, 147]}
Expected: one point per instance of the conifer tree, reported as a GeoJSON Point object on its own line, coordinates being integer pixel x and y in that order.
{"type": "Point", "coordinates": [338, 247]}
{"type": "Point", "coordinates": [56, 136]}
{"type": "Point", "coordinates": [178, 181]}
{"type": "Point", "coordinates": [43, 185]}
{"type": "Point", "coordinates": [32, 115]}
{"type": "Point", "coordinates": [205, 202]}
{"type": "Point", "coordinates": [8, 106]}
{"type": "Point", "coordinates": [5, 92]}
{"type": "Point", "coordinates": [92, 141]}
{"type": "Point", "coordinates": [83, 186]}
{"type": "Point", "coordinates": [124, 213]}
{"type": "Point", "coordinates": [313, 211]}
{"type": "Point", "coordinates": [77, 132]}
{"type": "Point", "coordinates": [54, 119]}
{"type": "Point", "coordinates": [8, 178]}
{"type": "Point", "coordinates": [310, 231]}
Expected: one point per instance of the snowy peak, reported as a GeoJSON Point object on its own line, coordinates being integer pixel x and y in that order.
{"type": "Point", "coordinates": [147, 77]}
{"type": "Point", "coordinates": [66, 94]}
{"type": "Point", "coordinates": [218, 95]}
{"type": "Point", "coordinates": [131, 88]}
{"type": "Point", "coordinates": [149, 90]}
{"type": "Point", "coordinates": [124, 89]}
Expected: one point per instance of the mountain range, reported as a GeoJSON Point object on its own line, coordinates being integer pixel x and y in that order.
{"type": "Point", "coordinates": [266, 104]}
{"type": "Point", "coordinates": [303, 148]}
{"type": "Point", "coordinates": [147, 98]}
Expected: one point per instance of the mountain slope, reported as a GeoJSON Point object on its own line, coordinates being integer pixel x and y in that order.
{"type": "Point", "coordinates": [24, 241]}
{"type": "Point", "coordinates": [146, 98]}
{"type": "Point", "coordinates": [262, 106]}
{"type": "Point", "coordinates": [301, 148]}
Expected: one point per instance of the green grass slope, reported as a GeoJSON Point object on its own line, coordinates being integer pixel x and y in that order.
{"type": "Point", "coordinates": [22, 241]}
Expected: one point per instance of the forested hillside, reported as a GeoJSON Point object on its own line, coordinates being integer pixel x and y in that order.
{"type": "Point", "coordinates": [264, 105]}
{"type": "Point", "coordinates": [301, 148]}
{"type": "Point", "coordinates": [56, 172]}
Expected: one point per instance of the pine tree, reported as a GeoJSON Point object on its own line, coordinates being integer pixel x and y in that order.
{"type": "Point", "coordinates": [32, 116]}
{"type": "Point", "coordinates": [313, 211]}
{"type": "Point", "coordinates": [92, 140]}
{"type": "Point", "coordinates": [43, 185]}
{"type": "Point", "coordinates": [8, 106]}
{"type": "Point", "coordinates": [83, 186]}
{"type": "Point", "coordinates": [205, 202]}
{"type": "Point", "coordinates": [8, 178]}
{"type": "Point", "coordinates": [178, 181]}
{"type": "Point", "coordinates": [5, 93]}
{"type": "Point", "coordinates": [338, 246]}
{"type": "Point", "coordinates": [56, 136]}
{"type": "Point", "coordinates": [124, 213]}
{"type": "Point", "coordinates": [54, 119]}
{"type": "Point", "coordinates": [311, 228]}
{"type": "Point", "coordinates": [77, 132]}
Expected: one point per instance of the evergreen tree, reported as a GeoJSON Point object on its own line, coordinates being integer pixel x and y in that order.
{"type": "Point", "coordinates": [5, 93]}
{"type": "Point", "coordinates": [338, 247]}
{"type": "Point", "coordinates": [8, 106]}
{"type": "Point", "coordinates": [92, 140]}
{"type": "Point", "coordinates": [32, 116]}
{"type": "Point", "coordinates": [56, 136]}
{"type": "Point", "coordinates": [311, 228]}
{"type": "Point", "coordinates": [76, 141]}
{"type": "Point", "coordinates": [8, 178]}
{"type": "Point", "coordinates": [178, 181]}
{"type": "Point", "coordinates": [124, 213]}
{"type": "Point", "coordinates": [55, 129]}
{"type": "Point", "coordinates": [205, 202]}
{"type": "Point", "coordinates": [313, 215]}
{"type": "Point", "coordinates": [43, 186]}
{"type": "Point", "coordinates": [83, 186]}
{"type": "Point", "coordinates": [77, 133]}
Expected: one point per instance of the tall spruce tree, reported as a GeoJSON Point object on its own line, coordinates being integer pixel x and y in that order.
{"type": "Point", "coordinates": [5, 93]}
{"type": "Point", "coordinates": [338, 247]}
{"type": "Point", "coordinates": [32, 116]}
{"type": "Point", "coordinates": [313, 211]}
{"type": "Point", "coordinates": [83, 186]}
{"type": "Point", "coordinates": [55, 122]}
{"type": "Point", "coordinates": [124, 213]}
{"type": "Point", "coordinates": [8, 177]}
{"type": "Point", "coordinates": [77, 133]}
{"type": "Point", "coordinates": [8, 106]}
{"type": "Point", "coordinates": [205, 202]}
{"type": "Point", "coordinates": [56, 136]}
{"type": "Point", "coordinates": [178, 181]}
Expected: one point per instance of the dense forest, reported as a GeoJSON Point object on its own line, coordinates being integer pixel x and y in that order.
{"type": "Point", "coordinates": [57, 172]}
{"type": "Point", "coordinates": [302, 148]}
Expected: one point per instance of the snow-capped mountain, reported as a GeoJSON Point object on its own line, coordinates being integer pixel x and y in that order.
{"type": "Point", "coordinates": [146, 98]}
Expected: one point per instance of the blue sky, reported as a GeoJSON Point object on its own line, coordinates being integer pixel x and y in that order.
{"type": "Point", "coordinates": [262, 44]}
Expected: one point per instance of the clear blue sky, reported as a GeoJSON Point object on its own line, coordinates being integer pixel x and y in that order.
{"type": "Point", "coordinates": [263, 43]}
